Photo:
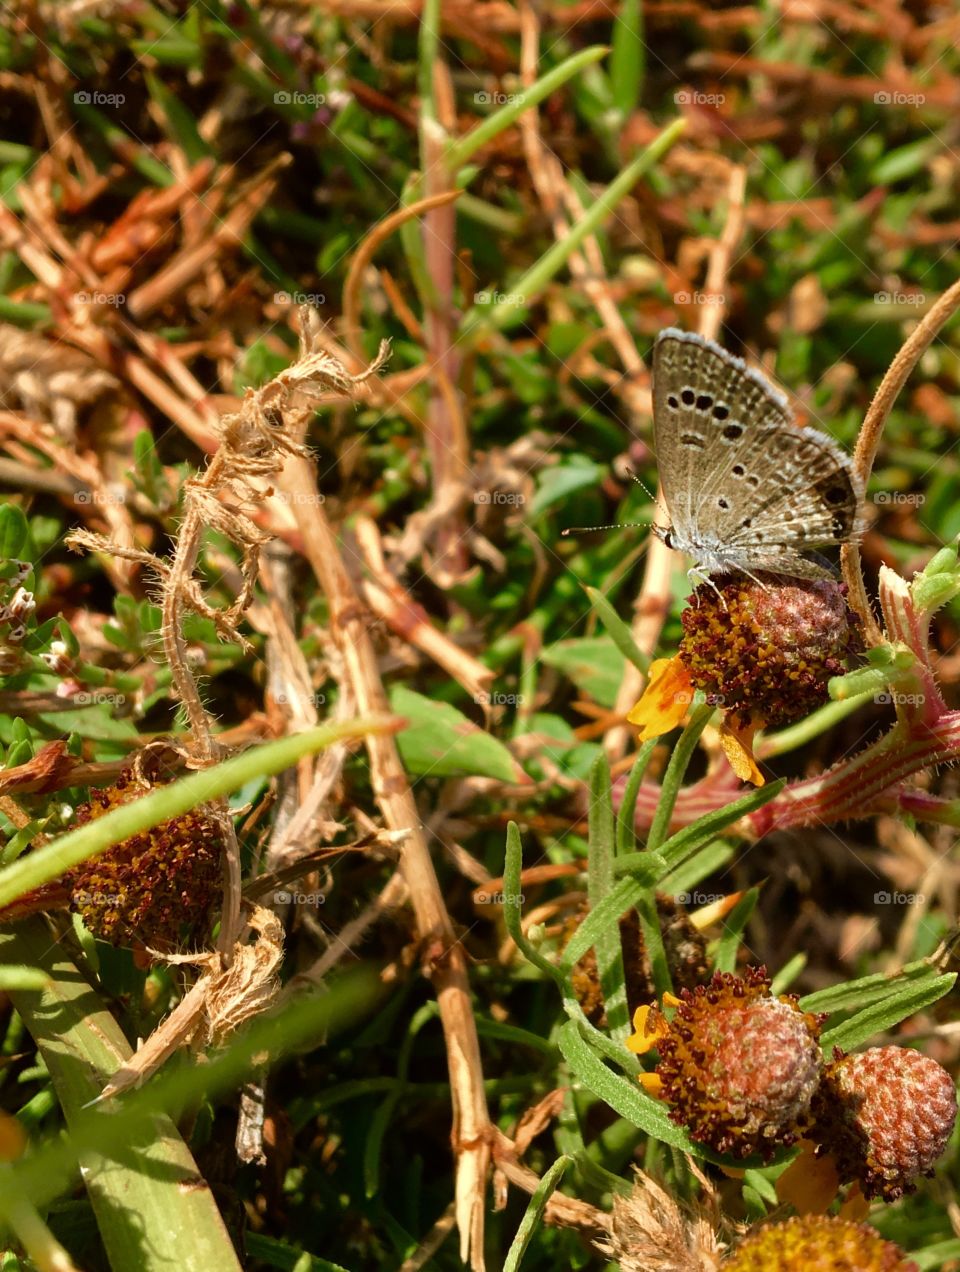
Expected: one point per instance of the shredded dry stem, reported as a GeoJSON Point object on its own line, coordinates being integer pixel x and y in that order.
{"type": "Point", "coordinates": [255, 443]}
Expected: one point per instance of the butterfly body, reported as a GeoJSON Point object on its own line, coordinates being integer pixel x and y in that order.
{"type": "Point", "coordinates": [746, 489]}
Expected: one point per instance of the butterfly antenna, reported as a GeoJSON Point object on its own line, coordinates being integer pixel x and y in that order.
{"type": "Point", "coordinates": [616, 525]}
{"type": "Point", "coordinates": [646, 489]}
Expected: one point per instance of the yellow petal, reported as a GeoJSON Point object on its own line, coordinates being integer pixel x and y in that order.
{"type": "Point", "coordinates": [856, 1207]}
{"type": "Point", "coordinates": [738, 748]}
{"type": "Point", "coordinates": [809, 1183]}
{"type": "Point", "coordinates": [651, 1084]}
{"type": "Point", "coordinates": [665, 700]}
{"type": "Point", "coordinates": [650, 1027]}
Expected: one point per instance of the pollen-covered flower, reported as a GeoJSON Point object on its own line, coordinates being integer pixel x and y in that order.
{"type": "Point", "coordinates": [817, 1242]}
{"type": "Point", "coordinates": [685, 948]}
{"type": "Point", "coordinates": [885, 1115]}
{"type": "Point", "coordinates": [763, 651]}
{"type": "Point", "coordinates": [766, 650]}
{"type": "Point", "coordinates": [738, 1066]}
{"type": "Point", "coordinates": [156, 888]}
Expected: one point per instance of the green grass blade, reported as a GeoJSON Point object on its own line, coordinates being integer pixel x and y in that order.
{"type": "Point", "coordinates": [534, 1213]}
{"type": "Point", "coordinates": [149, 1210]}
{"type": "Point", "coordinates": [599, 884]}
{"type": "Point", "coordinates": [160, 805]}
{"type": "Point", "coordinates": [494, 124]}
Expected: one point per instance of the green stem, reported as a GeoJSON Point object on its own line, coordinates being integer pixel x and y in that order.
{"type": "Point", "coordinates": [161, 805]}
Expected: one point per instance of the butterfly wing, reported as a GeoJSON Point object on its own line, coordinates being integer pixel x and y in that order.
{"type": "Point", "coordinates": [739, 478]}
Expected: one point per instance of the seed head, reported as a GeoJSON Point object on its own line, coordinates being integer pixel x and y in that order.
{"type": "Point", "coordinates": [885, 1115]}
{"type": "Point", "coordinates": [158, 887]}
{"type": "Point", "coordinates": [738, 1066]}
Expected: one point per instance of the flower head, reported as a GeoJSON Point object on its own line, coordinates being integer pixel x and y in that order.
{"type": "Point", "coordinates": [155, 888]}
{"type": "Point", "coordinates": [766, 650]}
{"type": "Point", "coordinates": [762, 650]}
{"type": "Point", "coordinates": [827, 1244]}
{"type": "Point", "coordinates": [885, 1115]}
{"type": "Point", "coordinates": [738, 1066]}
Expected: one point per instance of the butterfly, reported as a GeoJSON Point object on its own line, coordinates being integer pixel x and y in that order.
{"type": "Point", "coordinates": [745, 488]}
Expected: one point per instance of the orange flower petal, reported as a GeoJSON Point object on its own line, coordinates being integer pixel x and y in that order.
{"type": "Point", "coordinates": [856, 1207]}
{"type": "Point", "coordinates": [665, 700]}
{"type": "Point", "coordinates": [650, 1027]}
{"type": "Point", "coordinates": [809, 1183]}
{"type": "Point", "coordinates": [651, 1083]}
{"type": "Point", "coordinates": [738, 748]}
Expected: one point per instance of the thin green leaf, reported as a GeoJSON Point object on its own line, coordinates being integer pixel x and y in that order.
{"type": "Point", "coordinates": [884, 1015]}
{"type": "Point", "coordinates": [53, 859]}
{"type": "Point", "coordinates": [618, 631]}
{"type": "Point", "coordinates": [867, 989]}
{"type": "Point", "coordinates": [534, 1213]}
{"type": "Point", "coordinates": [529, 287]}
{"type": "Point", "coordinates": [673, 778]}
{"type": "Point", "coordinates": [725, 956]}
{"type": "Point", "coordinates": [462, 150]}
{"type": "Point", "coordinates": [626, 813]}
{"type": "Point", "coordinates": [687, 840]}
{"type": "Point", "coordinates": [628, 57]}
{"type": "Point", "coordinates": [623, 1096]}
{"type": "Point", "coordinates": [599, 885]}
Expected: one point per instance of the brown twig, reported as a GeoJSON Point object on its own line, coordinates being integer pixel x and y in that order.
{"type": "Point", "coordinates": [868, 440]}
{"type": "Point", "coordinates": [444, 958]}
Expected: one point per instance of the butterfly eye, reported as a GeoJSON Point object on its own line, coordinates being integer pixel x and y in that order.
{"type": "Point", "coordinates": [704, 402]}
{"type": "Point", "coordinates": [688, 397]}
{"type": "Point", "coordinates": [721, 411]}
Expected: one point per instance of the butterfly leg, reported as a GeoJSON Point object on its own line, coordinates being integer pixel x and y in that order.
{"type": "Point", "coordinates": [694, 573]}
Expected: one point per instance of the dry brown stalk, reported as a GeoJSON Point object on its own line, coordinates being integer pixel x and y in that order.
{"type": "Point", "coordinates": [255, 441]}
{"type": "Point", "coordinates": [444, 960]}
{"type": "Point", "coordinates": [868, 439]}
{"type": "Point", "coordinates": [408, 619]}
{"type": "Point", "coordinates": [365, 254]}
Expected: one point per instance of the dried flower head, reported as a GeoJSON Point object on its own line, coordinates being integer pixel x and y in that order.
{"type": "Point", "coordinates": [738, 1066]}
{"type": "Point", "coordinates": [816, 1241]}
{"type": "Point", "coordinates": [157, 888]}
{"type": "Point", "coordinates": [885, 1115]}
{"type": "Point", "coordinates": [765, 651]}
{"type": "Point", "coordinates": [686, 955]}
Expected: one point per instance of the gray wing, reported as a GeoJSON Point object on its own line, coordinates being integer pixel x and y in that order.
{"type": "Point", "coordinates": [735, 467]}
